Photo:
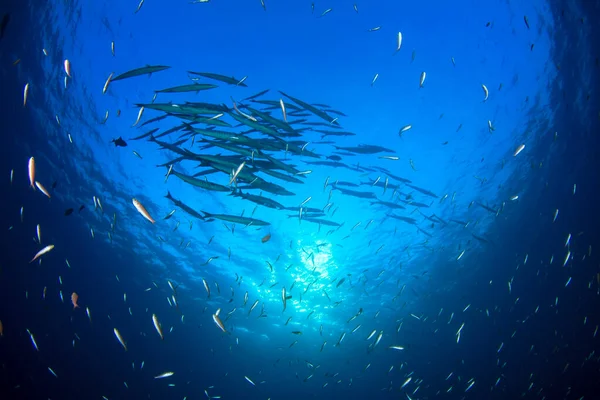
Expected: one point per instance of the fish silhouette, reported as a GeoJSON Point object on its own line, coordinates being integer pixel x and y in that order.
{"type": "Point", "coordinates": [119, 142]}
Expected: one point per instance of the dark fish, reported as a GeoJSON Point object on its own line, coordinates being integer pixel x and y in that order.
{"type": "Point", "coordinates": [268, 187]}
{"type": "Point", "coordinates": [396, 177]}
{"type": "Point", "coordinates": [308, 215]}
{"type": "Point", "coordinates": [365, 149]}
{"type": "Point", "coordinates": [382, 185]}
{"type": "Point", "coordinates": [414, 203]}
{"type": "Point", "coordinates": [336, 112]}
{"type": "Point", "coordinates": [388, 204]}
{"type": "Point", "coordinates": [273, 121]}
{"type": "Point", "coordinates": [334, 158]}
{"type": "Point", "coordinates": [430, 218]}
{"type": "Point", "coordinates": [325, 124]}
{"type": "Point", "coordinates": [54, 184]}
{"type": "Point", "coordinates": [222, 78]}
{"type": "Point", "coordinates": [195, 87]}
{"type": "Point", "coordinates": [275, 105]}
{"type": "Point", "coordinates": [204, 184]}
{"type": "Point", "coordinates": [299, 114]}
{"type": "Point", "coordinates": [184, 207]}
{"type": "Point", "coordinates": [304, 209]}
{"type": "Point", "coordinates": [526, 21]}
{"type": "Point", "coordinates": [155, 119]}
{"type": "Point", "coordinates": [119, 142]}
{"type": "Point", "coordinates": [254, 96]}
{"type": "Point", "coordinates": [481, 239]}
{"type": "Point", "coordinates": [312, 109]}
{"type": "Point", "coordinates": [68, 212]}
{"type": "Point", "coordinates": [81, 208]}
{"type": "Point", "coordinates": [344, 153]}
{"type": "Point", "coordinates": [236, 220]}
{"type": "Point", "coordinates": [147, 70]}
{"type": "Point", "coordinates": [333, 164]}
{"type": "Point", "coordinates": [145, 134]}
{"type": "Point", "coordinates": [255, 125]}
{"type": "Point", "coordinates": [205, 172]}
{"type": "Point", "coordinates": [486, 207]}
{"type": "Point", "coordinates": [173, 147]}
{"type": "Point", "coordinates": [263, 201]}
{"type": "Point", "coordinates": [325, 133]}
{"type": "Point", "coordinates": [411, 221]}
{"type": "Point", "coordinates": [424, 191]}
{"type": "Point", "coordinates": [321, 221]}
{"type": "Point", "coordinates": [343, 183]}
{"type": "Point", "coordinates": [281, 176]}
{"type": "Point", "coordinates": [4, 24]}
{"type": "Point", "coordinates": [356, 193]}
{"type": "Point", "coordinates": [340, 282]}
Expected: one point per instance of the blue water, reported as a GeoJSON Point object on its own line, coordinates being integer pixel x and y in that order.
{"type": "Point", "coordinates": [482, 290]}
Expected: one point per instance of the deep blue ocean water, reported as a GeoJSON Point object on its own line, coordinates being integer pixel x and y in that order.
{"type": "Point", "coordinates": [484, 288]}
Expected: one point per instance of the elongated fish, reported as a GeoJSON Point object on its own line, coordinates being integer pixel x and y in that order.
{"type": "Point", "coordinates": [42, 252]}
{"type": "Point", "coordinates": [283, 297]}
{"type": "Point", "coordinates": [314, 110]}
{"type": "Point", "coordinates": [365, 149]}
{"type": "Point", "coordinates": [67, 65]}
{"type": "Point", "coordinates": [254, 96]}
{"type": "Point", "coordinates": [120, 338]}
{"type": "Point", "coordinates": [184, 207]}
{"type": "Point", "coordinates": [218, 321]}
{"type": "Point", "coordinates": [25, 94]}
{"type": "Point", "coordinates": [139, 6]}
{"type": "Point", "coordinates": [236, 219]}
{"type": "Point", "coordinates": [157, 326]}
{"type": "Point", "coordinates": [424, 191]}
{"type": "Point", "coordinates": [195, 87]}
{"type": "Point", "coordinates": [263, 201]}
{"type": "Point", "coordinates": [201, 183]}
{"type": "Point", "coordinates": [149, 69]}
{"type": "Point", "coordinates": [31, 168]}
{"type": "Point", "coordinates": [422, 79]}
{"type": "Point", "coordinates": [227, 79]}
{"type": "Point", "coordinates": [399, 43]}
{"type": "Point", "coordinates": [107, 83]}
{"type": "Point", "coordinates": [142, 210]}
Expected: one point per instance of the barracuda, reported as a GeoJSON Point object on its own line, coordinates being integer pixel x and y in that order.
{"type": "Point", "coordinates": [147, 70]}
{"type": "Point", "coordinates": [235, 219]}
{"type": "Point", "coordinates": [201, 183]}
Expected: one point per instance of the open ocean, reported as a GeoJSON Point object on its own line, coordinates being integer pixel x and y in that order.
{"type": "Point", "coordinates": [299, 200]}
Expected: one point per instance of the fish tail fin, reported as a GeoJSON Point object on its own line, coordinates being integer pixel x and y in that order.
{"type": "Point", "coordinates": [168, 195]}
